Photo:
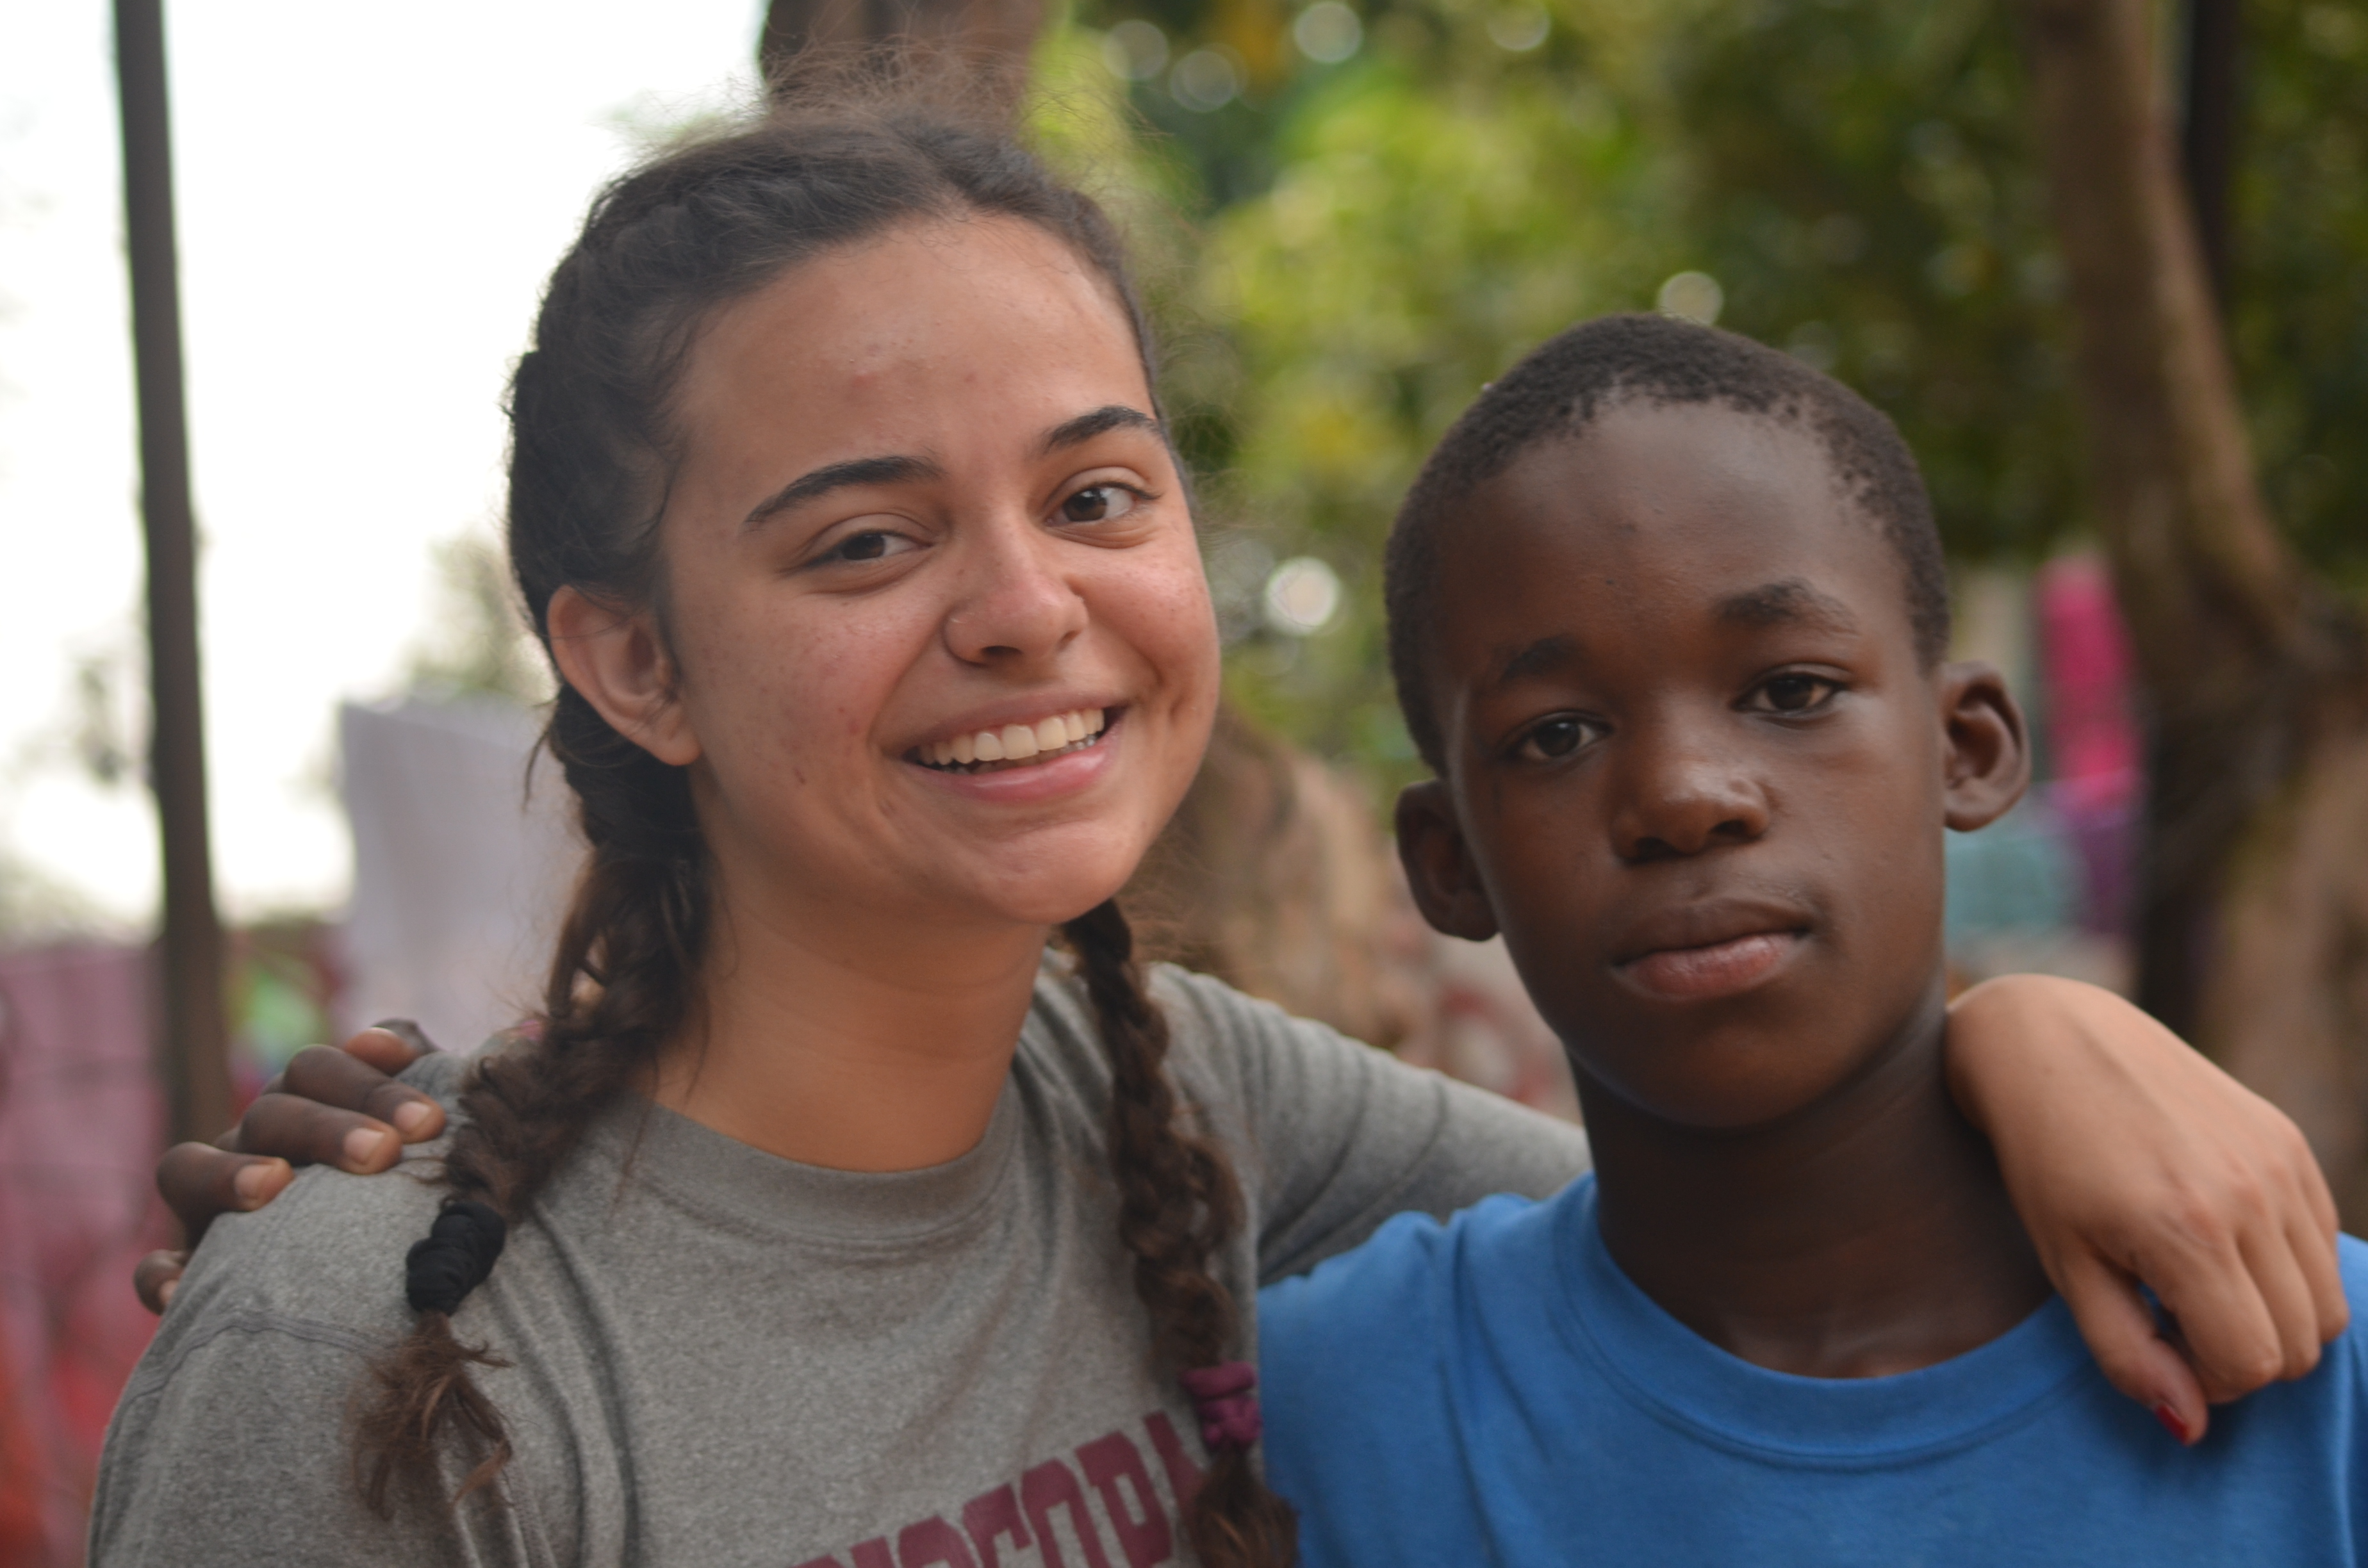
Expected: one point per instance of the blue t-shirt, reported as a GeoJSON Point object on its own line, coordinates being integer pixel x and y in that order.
{"type": "Point", "coordinates": [1495, 1389]}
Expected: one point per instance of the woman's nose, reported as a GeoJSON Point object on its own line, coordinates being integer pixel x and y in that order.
{"type": "Point", "coordinates": [1017, 607]}
{"type": "Point", "coordinates": [1682, 797]}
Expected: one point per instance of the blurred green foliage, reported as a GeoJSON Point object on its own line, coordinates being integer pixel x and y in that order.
{"type": "Point", "coordinates": [1367, 237]}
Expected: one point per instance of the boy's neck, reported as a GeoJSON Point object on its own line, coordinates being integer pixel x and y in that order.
{"type": "Point", "coordinates": [1866, 1235]}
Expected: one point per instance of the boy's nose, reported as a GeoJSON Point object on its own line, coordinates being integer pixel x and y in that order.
{"type": "Point", "coordinates": [1682, 805]}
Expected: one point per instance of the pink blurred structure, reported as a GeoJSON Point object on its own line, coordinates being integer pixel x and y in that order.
{"type": "Point", "coordinates": [80, 1124]}
{"type": "Point", "coordinates": [2096, 768]}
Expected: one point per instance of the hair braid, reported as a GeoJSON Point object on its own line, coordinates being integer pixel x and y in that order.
{"type": "Point", "coordinates": [1179, 1205]}
{"type": "Point", "coordinates": [620, 985]}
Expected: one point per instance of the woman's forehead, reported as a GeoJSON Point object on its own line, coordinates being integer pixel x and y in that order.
{"type": "Point", "coordinates": [944, 309]}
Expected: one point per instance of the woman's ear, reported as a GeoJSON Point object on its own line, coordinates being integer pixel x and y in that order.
{"type": "Point", "coordinates": [1988, 755]}
{"type": "Point", "coordinates": [1438, 868]}
{"type": "Point", "coordinates": [618, 661]}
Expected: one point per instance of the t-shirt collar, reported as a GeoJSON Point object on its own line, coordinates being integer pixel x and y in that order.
{"type": "Point", "coordinates": [1664, 1366]}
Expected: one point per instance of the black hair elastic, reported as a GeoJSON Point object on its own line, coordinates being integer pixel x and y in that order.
{"type": "Point", "coordinates": [459, 1253]}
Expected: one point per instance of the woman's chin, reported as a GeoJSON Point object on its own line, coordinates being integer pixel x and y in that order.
{"type": "Point", "coordinates": [1052, 894]}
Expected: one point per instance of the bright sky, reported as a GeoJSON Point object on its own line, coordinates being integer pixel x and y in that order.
{"type": "Point", "coordinates": [369, 200]}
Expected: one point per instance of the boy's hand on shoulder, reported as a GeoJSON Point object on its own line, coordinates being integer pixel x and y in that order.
{"type": "Point", "coordinates": [335, 1108]}
{"type": "Point", "coordinates": [2132, 1159]}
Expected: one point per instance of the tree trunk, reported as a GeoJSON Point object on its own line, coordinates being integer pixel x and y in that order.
{"type": "Point", "coordinates": [999, 32]}
{"type": "Point", "coordinates": [2208, 132]}
{"type": "Point", "coordinates": [2249, 919]}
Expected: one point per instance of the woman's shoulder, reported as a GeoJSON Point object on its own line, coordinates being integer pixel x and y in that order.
{"type": "Point", "coordinates": [232, 1441]}
{"type": "Point", "coordinates": [1221, 1043]}
{"type": "Point", "coordinates": [328, 1253]}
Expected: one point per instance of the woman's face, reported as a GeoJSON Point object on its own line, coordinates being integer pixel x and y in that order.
{"type": "Point", "coordinates": [923, 500]}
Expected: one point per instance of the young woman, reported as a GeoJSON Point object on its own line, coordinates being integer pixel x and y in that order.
{"type": "Point", "coordinates": [824, 1217]}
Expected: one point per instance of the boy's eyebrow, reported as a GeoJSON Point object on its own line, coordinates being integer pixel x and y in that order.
{"type": "Point", "coordinates": [838, 476]}
{"type": "Point", "coordinates": [1513, 664]}
{"type": "Point", "coordinates": [1792, 600]}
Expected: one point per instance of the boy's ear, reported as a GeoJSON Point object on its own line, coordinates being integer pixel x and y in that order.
{"type": "Point", "coordinates": [1438, 866]}
{"type": "Point", "coordinates": [1989, 757]}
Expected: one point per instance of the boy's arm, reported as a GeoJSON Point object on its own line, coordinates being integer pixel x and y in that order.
{"type": "Point", "coordinates": [2132, 1158]}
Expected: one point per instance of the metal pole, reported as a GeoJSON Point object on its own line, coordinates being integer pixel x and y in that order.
{"type": "Point", "coordinates": [192, 1045]}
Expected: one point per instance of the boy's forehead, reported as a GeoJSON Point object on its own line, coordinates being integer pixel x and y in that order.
{"type": "Point", "coordinates": [1638, 464]}
{"type": "Point", "coordinates": [1693, 512]}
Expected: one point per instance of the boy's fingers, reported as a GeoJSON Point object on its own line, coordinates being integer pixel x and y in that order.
{"type": "Point", "coordinates": [343, 1080]}
{"type": "Point", "coordinates": [201, 1183]}
{"type": "Point", "coordinates": [390, 1045]}
{"type": "Point", "coordinates": [2130, 1351]}
{"type": "Point", "coordinates": [155, 1278]}
{"type": "Point", "coordinates": [307, 1132]}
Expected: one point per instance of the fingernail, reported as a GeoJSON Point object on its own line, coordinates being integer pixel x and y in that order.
{"type": "Point", "coordinates": [2170, 1421]}
{"type": "Point", "coordinates": [362, 1145]}
{"type": "Point", "coordinates": [250, 1183]}
{"type": "Point", "coordinates": [165, 1291]}
{"type": "Point", "coordinates": [411, 1117]}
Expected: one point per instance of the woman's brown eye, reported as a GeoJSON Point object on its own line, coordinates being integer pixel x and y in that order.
{"type": "Point", "coordinates": [871, 544]}
{"type": "Point", "coordinates": [1098, 503]}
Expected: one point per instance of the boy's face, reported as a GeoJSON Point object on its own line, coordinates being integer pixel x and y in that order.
{"type": "Point", "coordinates": [1694, 771]}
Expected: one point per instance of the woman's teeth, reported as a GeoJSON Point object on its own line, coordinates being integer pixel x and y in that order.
{"type": "Point", "coordinates": [1016, 742]}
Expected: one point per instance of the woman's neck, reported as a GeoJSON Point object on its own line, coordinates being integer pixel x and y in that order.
{"type": "Point", "coordinates": [1866, 1235]}
{"type": "Point", "coordinates": [824, 1041]}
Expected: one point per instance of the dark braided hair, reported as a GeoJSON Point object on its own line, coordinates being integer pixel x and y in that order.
{"type": "Point", "coordinates": [1560, 389]}
{"type": "Point", "coordinates": [591, 453]}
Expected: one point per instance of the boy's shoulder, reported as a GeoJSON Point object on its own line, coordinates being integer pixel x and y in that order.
{"type": "Point", "coordinates": [1374, 1318]}
{"type": "Point", "coordinates": [1369, 1365]}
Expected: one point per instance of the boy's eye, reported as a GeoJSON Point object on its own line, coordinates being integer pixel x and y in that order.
{"type": "Point", "coordinates": [1557, 737]}
{"type": "Point", "coordinates": [1793, 693]}
{"type": "Point", "coordinates": [1099, 503]}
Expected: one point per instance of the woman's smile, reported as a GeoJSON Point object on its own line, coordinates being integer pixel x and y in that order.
{"type": "Point", "coordinates": [1001, 746]}
{"type": "Point", "coordinates": [1048, 774]}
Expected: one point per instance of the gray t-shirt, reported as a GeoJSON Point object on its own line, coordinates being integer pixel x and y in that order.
{"type": "Point", "coordinates": [715, 1357]}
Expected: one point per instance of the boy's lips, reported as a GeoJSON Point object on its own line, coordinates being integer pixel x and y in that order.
{"type": "Point", "coordinates": [1721, 968]}
{"type": "Point", "coordinates": [1709, 950]}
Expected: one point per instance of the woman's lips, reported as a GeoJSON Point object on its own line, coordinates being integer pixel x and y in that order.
{"type": "Point", "coordinates": [1721, 968]}
{"type": "Point", "coordinates": [1040, 778]}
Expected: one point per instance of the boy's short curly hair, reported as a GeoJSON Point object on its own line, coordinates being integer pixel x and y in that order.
{"type": "Point", "coordinates": [1558, 390]}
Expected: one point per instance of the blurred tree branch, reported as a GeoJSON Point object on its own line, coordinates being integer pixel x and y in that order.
{"type": "Point", "coordinates": [2253, 925]}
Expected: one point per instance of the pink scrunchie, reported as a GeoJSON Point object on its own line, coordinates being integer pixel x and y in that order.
{"type": "Point", "coordinates": [1222, 1397]}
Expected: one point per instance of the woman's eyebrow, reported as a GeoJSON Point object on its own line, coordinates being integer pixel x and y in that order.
{"type": "Point", "coordinates": [837, 476]}
{"type": "Point", "coordinates": [910, 471]}
{"type": "Point", "coordinates": [1086, 426]}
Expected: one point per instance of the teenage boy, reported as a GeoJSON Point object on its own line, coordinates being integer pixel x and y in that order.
{"type": "Point", "coordinates": [1667, 619]}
